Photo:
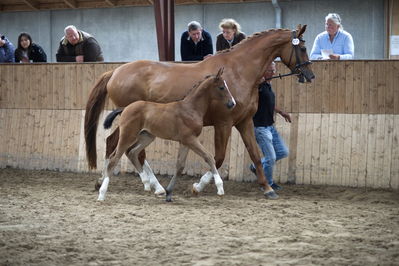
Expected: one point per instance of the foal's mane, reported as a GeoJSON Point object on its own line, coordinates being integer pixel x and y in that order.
{"type": "Point", "coordinates": [194, 87]}
{"type": "Point", "coordinates": [250, 38]}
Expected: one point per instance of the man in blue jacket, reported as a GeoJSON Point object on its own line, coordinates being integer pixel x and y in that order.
{"type": "Point", "coordinates": [6, 50]}
{"type": "Point", "coordinates": [196, 43]}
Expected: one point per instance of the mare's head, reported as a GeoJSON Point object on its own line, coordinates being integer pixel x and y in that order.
{"type": "Point", "coordinates": [295, 57]}
{"type": "Point", "coordinates": [219, 90]}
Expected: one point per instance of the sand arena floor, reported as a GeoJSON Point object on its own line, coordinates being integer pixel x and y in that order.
{"type": "Point", "coordinates": [51, 218]}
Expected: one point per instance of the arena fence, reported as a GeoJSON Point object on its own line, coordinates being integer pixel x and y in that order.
{"type": "Point", "coordinates": [345, 127]}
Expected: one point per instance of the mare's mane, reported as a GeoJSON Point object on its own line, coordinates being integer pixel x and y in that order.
{"type": "Point", "coordinates": [249, 38]}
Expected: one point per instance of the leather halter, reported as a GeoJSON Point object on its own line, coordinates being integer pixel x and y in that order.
{"type": "Point", "coordinates": [295, 50]}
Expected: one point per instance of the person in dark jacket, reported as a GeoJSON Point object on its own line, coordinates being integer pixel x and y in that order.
{"type": "Point", "coordinates": [28, 51]}
{"type": "Point", "coordinates": [6, 50]}
{"type": "Point", "coordinates": [196, 43]}
{"type": "Point", "coordinates": [78, 46]}
{"type": "Point", "coordinates": [230, 36]}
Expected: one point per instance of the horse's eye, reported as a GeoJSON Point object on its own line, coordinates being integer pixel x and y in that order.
{"type": "Point", "coordinates": [221, 88]}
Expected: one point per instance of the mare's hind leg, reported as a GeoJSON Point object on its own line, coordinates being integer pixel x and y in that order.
{"type": "Point", "coordinates": [181, 161]}
{"type": "Point", "coordinates": [197, 147]}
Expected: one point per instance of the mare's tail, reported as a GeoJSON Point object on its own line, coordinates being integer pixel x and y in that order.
{"type": "Point", "coordinates": [110, 118]}
{"type": "Point", "coordinates": [94, 107]}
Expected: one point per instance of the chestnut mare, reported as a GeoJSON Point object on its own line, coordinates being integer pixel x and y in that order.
{"type": "Point", "coordinates": [244, 65]}
{"type": "Point", "coordinates": [180, 121]}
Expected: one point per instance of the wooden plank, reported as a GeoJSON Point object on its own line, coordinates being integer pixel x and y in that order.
{"type": "Point", "coordinates": [358, 69]}
{"type": "Point", "coordinates": [297, 90]}
{"type": "Point", "coordinates": [325, 93]}
{"type": "Point", "coordinates": [14, 138]}
{"type": "Point", "coordinates": [349, 86]}
{"type": "Point", "coordinates": [7, 83]}
{"type": "Point", "coordinates": [371, 151]}
{"type": "Point", "coordinates": [288, 87]}
{"type": "Point", "coordinates": [394, 176]}
{"type": "Point", "coordinates": [381, 85]}
{"type": "Point", "coordinates": [57, 86]}
{"type": "Point", "coordinates": [307, 169]}
{"type": "Point", "coordinates": [40, 135]}
{"type": "Point", "coordinates": [333, 89]}
{"type": "Point", "coordinates": [388, 147]}
{"type": "Point", "coordinates": [7, 135]}
{"type": "Point", "coordinates": [366, 88]}
{"type": "Point", "coordinates": [355, 150]}
{"type": "Point", "coordinates": [315, 149]}
{"type": "Point", "coordinates": [323, 167]}
{"type": "Point", "coordinates": [70, 88]}
{"type": "Point", "coordinates": [347, 149]}
{"type": "Point", "coordinates": [34, 86]}
{"type": "Point", "coordinates": [341, 88]}
{"type": "Point", "coordinates": [380, 151]}
{"type": "Point", "coordinates": [293, 144]}
{"type": "Point", "coordinates": [373, 88]}
{"type": "Point", "coordinates": [3, 139]}
{"type": "Point", "coordinates": [86, 80]}
{"type": "Point", "coordinates": [390, 87]}
{"type": "Point", "coordinates": [395, 81]}
{"type": "Point", "coordinates": [332, 142]}
{"type": "Point", "coordinates": [363, 150]}
{"type": "Point", "coordinates": [82, 163]}
{"type": "Point", "coordinates": [235, 137]}
{"type": "Point", "coordinates": [28, 140]}
{"type": "Point", "coordinates": [300, 154]}
{"type": "Point", "coordinates": [317, 87]}
{"type": "Point", "coordinates": [339, 151]}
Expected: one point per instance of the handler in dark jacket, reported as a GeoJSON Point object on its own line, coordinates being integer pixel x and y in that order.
{"type": "Point", "coordinates": [196, 43]}
{"type": "Point", "coordinates": [28, 51]}
{"type": "Point", "coordinates": [78, 46]}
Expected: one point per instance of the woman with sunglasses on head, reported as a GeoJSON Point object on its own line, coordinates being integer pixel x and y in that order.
{"type": "Point", "coordinates": [230, 36]}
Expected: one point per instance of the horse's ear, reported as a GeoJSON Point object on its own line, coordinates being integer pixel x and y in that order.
{"type": "Point", "coordinates": [220, 72]}
{"type": "Point", "coordinates": [301, 30]}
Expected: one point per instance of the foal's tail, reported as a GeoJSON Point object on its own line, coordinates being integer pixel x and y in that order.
{"type": "Point", "coordinates": [95, 105]}
{"type": "Point", "coordinates": [110, 118]}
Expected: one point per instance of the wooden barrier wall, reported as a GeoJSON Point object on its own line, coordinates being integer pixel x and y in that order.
{"type": "Point", "coordinates": [345, 127]}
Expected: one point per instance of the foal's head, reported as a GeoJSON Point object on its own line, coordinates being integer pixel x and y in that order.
{"type": "Point", "coordinates": [218, 89]}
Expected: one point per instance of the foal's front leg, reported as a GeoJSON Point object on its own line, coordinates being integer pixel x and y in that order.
{"type": "Point", "coordinates": [197, 147]}
{"type": "Point", "coordinates": [181, 161]}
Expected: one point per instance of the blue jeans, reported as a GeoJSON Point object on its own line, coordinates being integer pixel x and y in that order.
{"type": "Point", "coordinates": [273, 149]}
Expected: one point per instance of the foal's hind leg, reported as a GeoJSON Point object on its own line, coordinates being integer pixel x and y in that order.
{"type": "Point", "coordinates": [123, 144]}
{"type": "Point", "coordinates": [197, 147]}
{"type": "Point", "coordinates": [181, 161]}
{"type": "Point", "coordinates": [147, 176]}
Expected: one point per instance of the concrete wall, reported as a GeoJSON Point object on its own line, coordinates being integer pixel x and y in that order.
{"type": "Point", "coordinates": [128, 33]}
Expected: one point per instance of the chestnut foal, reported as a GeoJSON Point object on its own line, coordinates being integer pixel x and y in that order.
{"type": "Point", "coordinates": [180, 121]}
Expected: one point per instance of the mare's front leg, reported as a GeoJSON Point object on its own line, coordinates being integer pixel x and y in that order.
{"type": "Point", "coordinates": [181, 162]}
{"type": "Point", "coordinates": [246, 129]}
{"type": "Point", "coordinates": [197, 147]}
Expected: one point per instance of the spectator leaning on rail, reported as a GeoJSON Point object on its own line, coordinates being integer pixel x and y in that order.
{"type": "Point", "coordinates": [78, 46]}
{"type": "Point", "coordinates": [196, 43]}
{"type": "Point", "coordinates": [230, 36]}
{"type": "Point", "coordinates": [28, 51]}
{"type": "Point", "coordinates": [334, 43]}
{"type": "Point", "coordinates": [6, 50]}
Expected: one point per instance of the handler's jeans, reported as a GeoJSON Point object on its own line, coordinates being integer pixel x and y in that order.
{"type": "Point", "coordinates": [273, 149]}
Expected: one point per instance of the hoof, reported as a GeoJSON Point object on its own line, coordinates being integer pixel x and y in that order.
{"type": "Point", "coordinates": [271, 195]}
{"type": "Point", "coordinates": [221, 192]}
{"type": "Point", "coordinates": [160, 192]}
{"type": "Point", "coordinates": [194, 190]}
